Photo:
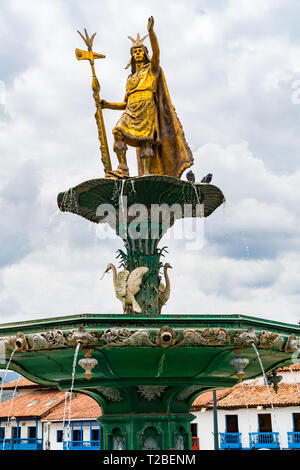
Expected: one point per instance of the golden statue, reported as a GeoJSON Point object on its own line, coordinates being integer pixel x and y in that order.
{"type": "Point", "coordinates": [149, 121]}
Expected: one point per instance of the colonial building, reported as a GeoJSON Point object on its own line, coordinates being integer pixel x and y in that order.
{"type": "Point", "coordinates": [41, 418]}
{"type": "Point", "coordinates": [246, 419]}
{"type": "Point", "coordinates": [36, 417]}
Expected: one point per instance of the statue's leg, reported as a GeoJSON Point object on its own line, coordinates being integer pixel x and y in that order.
{"type": "Point", "coordinates": [147, 153]}
{"type": "Point", "coordinates": [120, 149]}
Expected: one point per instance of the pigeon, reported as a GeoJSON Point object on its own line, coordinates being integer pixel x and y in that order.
{"type": "Point", "coordinates": [190, 176]}
{"type": "Point", "coordinates": [207, 178]}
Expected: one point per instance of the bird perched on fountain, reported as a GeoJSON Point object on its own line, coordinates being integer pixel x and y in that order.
{"type": "Point", "coordinates": [207, 178]}
{"type": "Point", "coordinates": [190, 176]}
{"type": "Point", "coordinates": [164, 290]}
{"type": "Point", "coordinates": [127, 285]}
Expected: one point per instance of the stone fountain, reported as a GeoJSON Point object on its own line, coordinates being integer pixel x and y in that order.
{"type": "Point", "coordinates": [144, 368]}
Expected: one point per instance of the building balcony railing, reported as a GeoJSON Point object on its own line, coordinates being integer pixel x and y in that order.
{"type": "Point", "coordinates": [21, 444]}
{"type": "Point", "coordinates": [230, 440]}
{"type": "Point", "coordinates": [294, 440]}
{"type": "Point", "coordinates": [264, 440]}
{"type": "Point", "coordinates": [81, 445]}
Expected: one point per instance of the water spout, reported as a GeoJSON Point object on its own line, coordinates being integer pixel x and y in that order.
{"type": "Point", "coordinates": [10, 409]}
{"type": "Point", "coordinates": [5, 372]}
{"type": "Point", "coordinates": [266, 383]}
{"type": "Point", "coordinates": [71, 390]}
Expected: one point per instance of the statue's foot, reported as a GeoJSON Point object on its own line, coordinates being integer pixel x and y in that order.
{"type": "Point", "coordinates": [118, 174]}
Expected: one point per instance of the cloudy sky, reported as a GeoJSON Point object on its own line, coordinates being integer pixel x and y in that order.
{"type": "Point", "coordinates": [233, 71]}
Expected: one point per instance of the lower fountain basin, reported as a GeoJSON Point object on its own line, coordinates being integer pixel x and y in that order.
{"type": "Point", "coordinates": [170, 350]}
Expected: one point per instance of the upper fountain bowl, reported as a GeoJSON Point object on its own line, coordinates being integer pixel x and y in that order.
{"type": "Point", "coordinates": [85, 198]}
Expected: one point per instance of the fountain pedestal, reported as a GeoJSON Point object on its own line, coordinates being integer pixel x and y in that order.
{"type": "Point", "coordinates": [141, 210]}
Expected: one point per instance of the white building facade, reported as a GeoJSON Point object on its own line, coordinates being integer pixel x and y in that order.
{"type": "Point", "coordinates": [246, 418]}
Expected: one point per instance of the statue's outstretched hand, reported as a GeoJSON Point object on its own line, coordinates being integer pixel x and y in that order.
{"type": "Point", "coordinates": [150, 24]}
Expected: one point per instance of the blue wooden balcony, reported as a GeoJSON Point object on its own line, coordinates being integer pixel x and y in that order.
{"type": "Point", "coordinates": [21, 444]}
{"type": "Point", "coordinates": [293, 440]}
{"type": "Point", "coordinates": [230, 440]}
{"type": "Point", "coordinates": [264, 440]}
{"type": "Point", "coordinates": [81, 445]}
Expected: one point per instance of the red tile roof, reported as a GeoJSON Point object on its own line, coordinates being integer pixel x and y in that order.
{"type": "Point", "coordinates": [294, 367]}
{"type": "Point", "coordinates": [39, 408]}
{"type": "Point", "coordinates": [22, 383]}
{"type": "Point", "coordinates": [288, 395]}
{"type": "Point", "coordinates": [82, 407]}
{"type": "Point", "coordinates": [42, 406]}
{"type": "Point", "coordinates": [205, 400]}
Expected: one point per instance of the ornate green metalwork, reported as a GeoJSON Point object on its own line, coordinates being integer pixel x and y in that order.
{"type": "Point", "coordinates": [149, 370]}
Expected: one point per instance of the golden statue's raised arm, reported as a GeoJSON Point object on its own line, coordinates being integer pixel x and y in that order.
{"type": "Point", "coordinates": [154, 45]}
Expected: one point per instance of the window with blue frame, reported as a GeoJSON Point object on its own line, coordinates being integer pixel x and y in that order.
{"type": "Point", "coordinates": [95, 435]}
{"type": "Point", "coordinates": [264, 423]}
{"type": "Point", "coordinates": [31, 433]}
{"type": "Point", "coordinates": [77, 435]}
{"type": "Point", "coordinates": [2, 433]}
{"type": "Point", "coordinates": [296, 420]}
{"type": "Point", "coordinates": [15, 432]}
{"type": "Point", "coordinates": [232, 424]}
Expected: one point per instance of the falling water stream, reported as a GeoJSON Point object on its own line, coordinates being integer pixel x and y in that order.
{"type": "Point", "coordinates": [132, 186]}
{"type": "Point", "coordinates": [266, 383]}
{"type": "Point", "coordinates": [196, 192]}
{"type": "Point", "coordinates": [121, 199]}
{"type": "Point", "coordinates": [65, 414]}
{"type": "Point", "coordinates": [5, 373]}
{"type": "Point", "coordinates": [71, 391]}
{"type": "Point", "coordinates": [10, 409]}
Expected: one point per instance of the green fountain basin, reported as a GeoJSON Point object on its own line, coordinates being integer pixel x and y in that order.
{"type": "Point", "coordinates": [196, 351]}
{"type": "Point", "coordinates": [85, 198]}
{"type": "Point", "coordinates": [148, 371]}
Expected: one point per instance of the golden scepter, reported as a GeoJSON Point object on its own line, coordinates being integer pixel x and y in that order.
{"type": "Point", "coordinates": [91, 56]}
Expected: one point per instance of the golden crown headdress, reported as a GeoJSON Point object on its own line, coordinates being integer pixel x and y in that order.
{"type": "Point", "coordinates": [137, 43]}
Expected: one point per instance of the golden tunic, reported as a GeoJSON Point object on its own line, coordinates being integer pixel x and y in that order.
{"type": "Point", "coordinates": [139, 122]}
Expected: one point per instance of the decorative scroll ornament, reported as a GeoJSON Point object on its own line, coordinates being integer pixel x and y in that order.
{"type": "Point", "coordinates": [49, 340]}
{"type": "Point", "coordinates": [207, 336]}
{"type": "Point", "coordinates": [38, 341]}
{"type": "Point", "coordinates": [164, 337]}
{"type": "Point", "coordinates": [82, 336]}
{"type": "Point", "coordinates": [245, 338]}
{"type": "Point", "coordinates": [292, 344]}
{"type": "Point", "coordinates": [151, 392]}
{"type": "Point", "coordinates": [123, 337]}
{"type": "Point", "coordinates": [216, 336]}
{"type": "Point", "coordinates": [270, 340]}
{"type": "Point", "coordinates": [192, 337]}
{"type": "Point", "coordinates": [56, 338]}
